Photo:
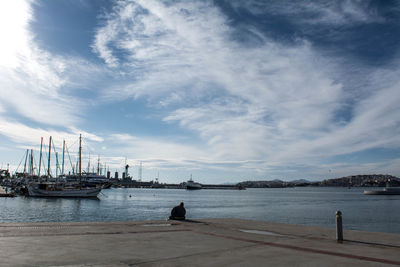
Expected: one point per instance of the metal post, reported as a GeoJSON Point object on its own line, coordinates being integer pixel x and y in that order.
{"type": "Point", "coordinates": [339, 226]}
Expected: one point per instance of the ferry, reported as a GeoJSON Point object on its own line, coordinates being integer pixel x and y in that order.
{"type": "Point", "coordinates": [191, 185]}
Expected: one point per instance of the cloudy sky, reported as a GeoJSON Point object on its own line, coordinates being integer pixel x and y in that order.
{"type": "Point", "coordinates": [224, 90]}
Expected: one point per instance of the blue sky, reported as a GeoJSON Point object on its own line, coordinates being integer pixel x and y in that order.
{"type": "Point", "coordinates": [224, 90]}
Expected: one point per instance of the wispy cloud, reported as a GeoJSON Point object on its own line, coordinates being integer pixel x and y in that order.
{"type": "Point", "coordinates": [30, 77]}
{"type": "Point", "coordinates": [316, 12]}
{"type": "Point", "coordinates": [22, 133]}
{"type": "Point", "coordinates": [36, 84]}
{"type": "Point", "coordinates": [272, 102]}
{"type": "Point", "coordinates": [252, 104]}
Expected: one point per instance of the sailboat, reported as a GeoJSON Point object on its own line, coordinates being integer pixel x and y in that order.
{"type": "Point", "coordinates": [62, 189]}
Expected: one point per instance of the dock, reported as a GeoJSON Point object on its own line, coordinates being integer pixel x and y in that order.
{"type": "Point", "coordinates": [203, 242]}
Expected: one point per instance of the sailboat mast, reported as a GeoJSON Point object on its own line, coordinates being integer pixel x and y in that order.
{"type": "Point", "coordinates": [40, 155]}
{"type": "Point", "coordinates": [62, 169]}
{"type": "Point", "coordinates": [48, 164]}
{"type": "Point", "coordinates": [57, 165]}
{"type": "Point", "coordinates": [30, 163]}
{"type": "Point", "coordinates": [98, 165]}
{"type": "Point", "coordinates": [88, 165]}
{"type": "Point", "coordinates": [26, 159]}
{"type": "Point", "coordinates": [80, 157]}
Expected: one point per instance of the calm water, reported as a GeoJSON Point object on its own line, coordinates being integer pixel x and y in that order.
{"type": "Point", "coordinates": [308, 206]}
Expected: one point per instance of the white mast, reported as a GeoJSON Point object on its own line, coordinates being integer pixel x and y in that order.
{"type": "Point", "coordinates": [48, 164]}
{"type": "Point", "coordinates": [40, 156]}
{"type": "Point", "coordinates": [62, 170]}
{"type": "Point", "coordinates": [80, 158]}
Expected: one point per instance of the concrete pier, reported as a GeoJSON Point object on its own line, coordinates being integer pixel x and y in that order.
{"type": "Point", "coordinates": [206, 242]}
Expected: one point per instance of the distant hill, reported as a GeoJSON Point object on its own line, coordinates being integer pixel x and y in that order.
{"type": "Point", "coordinates": [300, 181]}
{"type": "Point", "coordinates": [365, 180]}
{"type": "Point", "coordinates": [275, 183]}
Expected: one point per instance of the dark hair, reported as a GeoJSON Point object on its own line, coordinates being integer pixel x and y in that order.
{"type": "Point", "coordinates": [182, 204]}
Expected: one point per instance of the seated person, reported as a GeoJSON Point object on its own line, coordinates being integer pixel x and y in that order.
{"type": "Point", "coordinates": [178, 213]}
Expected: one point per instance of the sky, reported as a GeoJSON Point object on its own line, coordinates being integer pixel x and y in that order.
{"type": "Point", "coordinates": [225, 91]}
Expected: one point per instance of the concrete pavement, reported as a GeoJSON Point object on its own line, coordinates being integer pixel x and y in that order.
{"type": "Point", "coordinates": [208, 242]}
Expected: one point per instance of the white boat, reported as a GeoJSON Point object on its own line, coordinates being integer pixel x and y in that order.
{"type": "Point", "coordinates": [191, 185]}
{"type": "Point", "coordinates": [385, 191]}
{"type": "Point", "coordinates": [61, 190]}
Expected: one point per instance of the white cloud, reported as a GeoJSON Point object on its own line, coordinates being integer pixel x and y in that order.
{"type": "Point", "coordinates": [31, 78]}
{"type": "Point", "coordinates": [254, 108]}
{"type": "Point", "coordinates": [30, 136]}
{"type": "Point", "coordinates": [13, 18]}
{"type": "Point", "coordinates": [261, 106]}
{"type": "Point", "coordinates": [347, 12]}
{"type": "Point", "coordinates": [35, 83]}
{"type": "Point", "coordinates": [145, 148]}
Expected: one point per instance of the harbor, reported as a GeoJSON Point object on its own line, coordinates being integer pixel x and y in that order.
{"type": "Point", "coordinates": [312, 206]}
{"type": "Point", "coordinates": [199, 133]}
{"type": "Point", "coordinates": [203, 242]}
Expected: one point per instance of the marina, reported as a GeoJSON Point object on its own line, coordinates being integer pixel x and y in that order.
{"type": "Point", "coordinates": [199, 133]}
{"type": "Point", "coordinates": [35, 184]}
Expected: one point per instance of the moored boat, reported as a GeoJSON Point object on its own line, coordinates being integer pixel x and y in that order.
{"type": "Point", "coordinates": [191, 185]}
{"type": "Point", "coordinates": [61, 190]}
{"type": "Point", "coordinates": [385, 191]}
{"type": "Point", "coordinates": [58, 188]}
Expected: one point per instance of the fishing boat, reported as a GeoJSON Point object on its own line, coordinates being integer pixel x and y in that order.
{"type": "Point", "coordinates": [61, 188]}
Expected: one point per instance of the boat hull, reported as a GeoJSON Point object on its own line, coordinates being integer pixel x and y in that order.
{"type": "Point", "coordinates": [195, 187]}
{"type": "Point", "coordinates": [70, 193]}
{"type": "Point", "coordinates": [385, 191]}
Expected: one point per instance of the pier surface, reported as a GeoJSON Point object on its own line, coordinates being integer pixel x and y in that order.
{"type": "Point", "coordinates": [206, 242]}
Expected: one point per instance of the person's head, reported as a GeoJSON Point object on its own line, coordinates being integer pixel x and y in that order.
{"type": "Point", "coordinates": [181, 204]}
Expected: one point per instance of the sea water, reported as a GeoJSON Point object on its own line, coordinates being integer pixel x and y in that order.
{"type": "Point", "coordinates": [302, 205]}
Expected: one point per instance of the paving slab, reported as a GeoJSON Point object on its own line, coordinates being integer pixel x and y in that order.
{"type": "Point", "coordinates": [206, 242]}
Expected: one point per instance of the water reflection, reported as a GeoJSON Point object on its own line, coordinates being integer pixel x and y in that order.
{"type": "Point", "coordinates": [310, 206]}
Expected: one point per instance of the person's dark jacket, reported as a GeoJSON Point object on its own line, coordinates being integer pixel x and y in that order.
{"type": "Point", "coordinates": [178, 212]}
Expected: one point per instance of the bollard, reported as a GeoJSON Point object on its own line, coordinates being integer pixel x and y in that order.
{"type": "Point", "coordinates": [339, 226]}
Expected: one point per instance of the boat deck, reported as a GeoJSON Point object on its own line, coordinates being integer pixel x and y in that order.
{"type": "Point", "coordinates": [3, 193]}
{"type": "Point", "coordinates": [211, 242]}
